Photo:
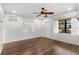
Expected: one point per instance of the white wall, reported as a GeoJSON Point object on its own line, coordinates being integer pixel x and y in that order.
{"type": "Point", "coordinates": [75, 26]}
{"type": "Point", "coordinates": [14, 31]}
{"type": "Point", "coordinates": [1, 28]}
{"type": "Point", "coordinates": [75, 30]}
{"type": "Point", "coordinates": [72, 38]}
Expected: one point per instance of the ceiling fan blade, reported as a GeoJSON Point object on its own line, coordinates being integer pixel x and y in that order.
{"type": "Point", "coordinates": [49, 12]}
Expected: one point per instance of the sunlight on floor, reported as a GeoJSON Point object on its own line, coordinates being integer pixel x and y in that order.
{"type": "Point", "coordinates": [63, 51]}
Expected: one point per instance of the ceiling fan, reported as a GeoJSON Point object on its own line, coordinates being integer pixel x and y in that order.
{"type": "Point", "coordinates": [44, 12]}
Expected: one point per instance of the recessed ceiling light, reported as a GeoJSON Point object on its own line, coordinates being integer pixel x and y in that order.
{"type": "Point", "coordinates": [14, 11]}
{"type": "Point", "coordinates": [69, 9]}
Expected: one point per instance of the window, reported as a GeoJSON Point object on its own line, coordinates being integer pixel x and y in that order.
{"type": "Point", "coordinates": [65, 25]}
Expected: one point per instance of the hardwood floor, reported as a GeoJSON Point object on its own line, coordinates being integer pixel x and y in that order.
{"type": "Point", "coordinates": [40, 46]}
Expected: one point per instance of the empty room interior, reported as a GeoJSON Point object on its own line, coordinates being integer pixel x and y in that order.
{"type": "Point", "coordinates": [39, 29]}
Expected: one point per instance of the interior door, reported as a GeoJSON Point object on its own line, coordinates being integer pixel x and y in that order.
{"type": "Point", "coordinates": [47, 27]}
{"type": "Point", "coordinates": [1, 36]}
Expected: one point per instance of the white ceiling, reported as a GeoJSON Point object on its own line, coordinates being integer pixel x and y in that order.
{"type": "Point", "coordinates": [28, 9]}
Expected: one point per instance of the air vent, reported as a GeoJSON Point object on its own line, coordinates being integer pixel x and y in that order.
{"type": "Point", "coordinates": [13, 18]}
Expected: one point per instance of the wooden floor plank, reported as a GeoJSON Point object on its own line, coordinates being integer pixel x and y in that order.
{"type": "Point", "coordinates": [39, 46]}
